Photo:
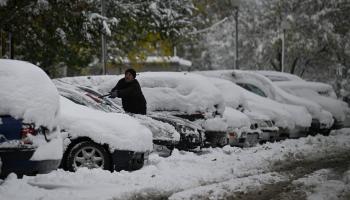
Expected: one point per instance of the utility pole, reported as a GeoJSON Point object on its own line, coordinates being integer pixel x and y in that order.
{"type": "Point", "coordinates": [236, 49]}
{"type": "Point", "coordinates": [103, 40]}
{"type": "Point", "coordinates": [285, 26]}
{"type": "Point", "coordinates": [235, 5]}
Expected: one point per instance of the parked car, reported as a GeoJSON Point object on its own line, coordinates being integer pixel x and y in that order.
{"type": "Point", "coordinates": [255, 123]}
{"type": "Point", "coordinates": [321, 93]}
{"type": "Point", "coordinates": [178, 94]}
{"type": "Point", "coordinates": [29, 106]}
{"type": "Point", "coordinates": [96, 139]}
{"type": "Point", "coordinates": [282, 114]}
{"type": "Point", "coordinates": [320, 116]}
{"type": "Point", "coordinates": [168, 131]}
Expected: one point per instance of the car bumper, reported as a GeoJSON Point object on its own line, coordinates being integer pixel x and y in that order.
{"type": "Point", "coordinates": [216, 139]}
{"type": "Point", "coordinates": [269, 135]}
{"type": "Point", "coordinates": [128, 160]}
{"type": "Point", "coordinates": [18, 161]}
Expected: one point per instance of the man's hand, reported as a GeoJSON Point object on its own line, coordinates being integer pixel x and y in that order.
{"type": "Point", "coordinates": [113, 94]}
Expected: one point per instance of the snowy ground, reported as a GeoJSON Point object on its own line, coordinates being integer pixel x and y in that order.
{"type": "Point", "coordinates": [306, 168]}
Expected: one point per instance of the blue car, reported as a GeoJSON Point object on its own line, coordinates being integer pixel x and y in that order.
{"type": "Point", "coordinates": [16, 148]}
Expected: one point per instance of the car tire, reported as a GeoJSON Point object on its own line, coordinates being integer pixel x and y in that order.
{"type": "Point", "coordinates": [87, 154]}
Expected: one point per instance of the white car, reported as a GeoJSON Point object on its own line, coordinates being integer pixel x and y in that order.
{"type": "Point", "coordinates": [282, 114]}
{"type": "Point", "coordinates": [322, 120]}
{"type": "Point", "coordinates": [321, 93]}
{"type": "Point", "coordinates": [96, 139]}
{"type": "Point", "coordinates": [244, 118]}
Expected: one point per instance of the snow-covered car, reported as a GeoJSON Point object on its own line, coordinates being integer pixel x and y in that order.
{"type": "Point", "coordinates": [168, 131]}
{"type": "Point", "coordinates": [30, 142]}
{"type": "Point", "coordinates": [184, 95]}
{"type": "Point", "coordinates": [281, 114]}
{"type": "Point", "coordinates": [321, 93]}
{"type": "Point", "coordinates": [96, 139]}
{"type": "Point", "coordinates": [322, 120]}
{"type": "Point", "coordinates": [244, 119]}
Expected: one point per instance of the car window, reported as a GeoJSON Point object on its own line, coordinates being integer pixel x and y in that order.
{"type": "Point", "coordinates": [252, 88]}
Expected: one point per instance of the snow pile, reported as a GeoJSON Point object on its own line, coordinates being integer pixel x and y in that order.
{"type": "Point", "coordinates": [119, 131]}
{"type": "Point", "coordinates": [52, 150]}
{"type": "Point", "coordinates": [226, 189]}
{"type": "Point", "coordinates": [214, 124]}
{"type": "Point", "coordinates": [28, 93]}
{"type": "Point", "coordinates": [235, 118]}
{"type": "Point", "coordinates": [322, 185]}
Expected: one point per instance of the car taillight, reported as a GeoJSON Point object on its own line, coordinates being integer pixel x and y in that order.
{"type": "Point", "coordinates": [27, 129]}
{"type": "Point", "coordinates": [232, 135]}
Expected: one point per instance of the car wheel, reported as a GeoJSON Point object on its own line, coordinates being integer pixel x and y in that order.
{"type": "Point", "coordinates": [87, 154]}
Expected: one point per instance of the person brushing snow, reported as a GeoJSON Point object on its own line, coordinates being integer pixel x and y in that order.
{"type": "Point", "coordinates": [129, 90]}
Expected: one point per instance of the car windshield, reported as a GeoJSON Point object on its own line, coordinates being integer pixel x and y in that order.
{"type": "Point", "coordinates": [252, 88]}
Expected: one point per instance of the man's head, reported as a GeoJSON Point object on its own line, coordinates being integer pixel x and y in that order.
{"type": "Point", "coordinates": [130, 74]}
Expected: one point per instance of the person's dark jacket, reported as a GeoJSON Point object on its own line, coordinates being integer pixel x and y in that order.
{"type": "Point", "coordinates": [131, 94]}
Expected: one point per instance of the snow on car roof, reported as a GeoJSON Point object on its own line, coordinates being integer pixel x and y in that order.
{"type": "Point", "coordinates": [315, 86]}
{"type": "Point", "coordinates": [168, 91]}
{"type": "Point", "coordinates": [27, 93]}
{"type": "Point", "coordinates": [279, 76]}
{"type": "Point", "coordinates": [119, 131]}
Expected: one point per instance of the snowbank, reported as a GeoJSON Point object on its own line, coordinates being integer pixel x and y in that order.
{"type": "Point", "coordinates": [119, 131]}
{"type": "Point", "coordinates": [28, 93]}
{"type": "Point", "coordinates": [182, 175]}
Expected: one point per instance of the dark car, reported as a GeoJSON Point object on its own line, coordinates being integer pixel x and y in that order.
{"type": "Point", "coordinates": [29, 107]}
{"type": "Point", "coordinates": [17, 149]}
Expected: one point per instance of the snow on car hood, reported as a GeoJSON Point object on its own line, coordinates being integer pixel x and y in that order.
{"type": "Point", "coordinates": [119, 131]}
{"type": "Point", "coordinates": [235, 118]}
{"type": "Point", "coordinates": [27, 93]}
